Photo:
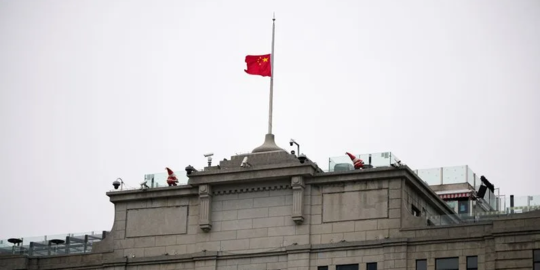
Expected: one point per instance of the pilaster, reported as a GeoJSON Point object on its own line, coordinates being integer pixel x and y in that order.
{"type": "Point", "coordinates": [297, 183]}
{"type": "Point", "coordinates": [205, 205]}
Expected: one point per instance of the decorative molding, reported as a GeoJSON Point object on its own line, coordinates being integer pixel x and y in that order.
{"type": "Point", "coordinates": [205, 207]}
{"type": "Point", "coordinates": [249, 189]}
{"type": "Point", "coordinates": [297, 183]}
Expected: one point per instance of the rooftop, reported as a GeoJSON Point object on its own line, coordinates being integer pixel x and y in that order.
{"type": "Point", "coordinates": [374, 162]}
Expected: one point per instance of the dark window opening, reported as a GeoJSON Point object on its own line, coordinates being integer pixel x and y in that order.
{"type": "Point", "coordinates": [421, 264]}
{"type": "Point", "coordinates": [463, 207]}
{"type": "Point", "coordinates": [447, 264]}
{"type": "Point", "coordinates": [415, 211]}
{"type": "Point", "coordinates": [371, 266]}
{"type": "Point", "coordinates": [322, 268]}
{"type": "Point", "coordinates": [430, 223]}
{"type": "Point", "coordinates": [536, 259]}
{"type": "Point", "coordinates": [347, 267]}
{"type": "Point", "coordinates": [472, 263]}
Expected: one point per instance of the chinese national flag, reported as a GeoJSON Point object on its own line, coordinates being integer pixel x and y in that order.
{"type": "Point", "coordinates": [259, 65]}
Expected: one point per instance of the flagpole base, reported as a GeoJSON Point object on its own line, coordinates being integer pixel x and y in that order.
{"type": "Point", "coordinates": [269, 145]}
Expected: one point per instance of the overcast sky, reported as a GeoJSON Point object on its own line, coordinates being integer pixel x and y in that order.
{"type": "Point", "coordinates": [95, 90]}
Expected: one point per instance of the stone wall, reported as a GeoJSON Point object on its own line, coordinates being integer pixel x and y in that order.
{"type": "Point", "coordinates": [355, 211]}
{"type": "Point", "coordinates": [413, 199]}
{"type": "Point", "coordinates": [502, 244]}
{"type": "Point", "coordinates": [258, 217]}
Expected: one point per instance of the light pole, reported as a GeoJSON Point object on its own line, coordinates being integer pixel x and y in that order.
{"type": "Point", "coordinates": [297, 145]}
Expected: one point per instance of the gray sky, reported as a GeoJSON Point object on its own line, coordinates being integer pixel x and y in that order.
{"type": "Point", "coordinates": [95, 90]}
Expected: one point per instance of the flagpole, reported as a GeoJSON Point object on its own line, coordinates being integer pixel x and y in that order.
{"type": "Point", "coordinates": [272, 76]}
{"type": "Point", "coordinates": [269, 144]}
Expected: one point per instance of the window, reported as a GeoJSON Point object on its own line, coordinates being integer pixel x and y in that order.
{"type": "Point", "coordinates": [463, 207]}
{"type": "Point", "coordinates": [447, 264]}
{"type": "Point", "coordinates": [452, 204]}
{"type": "Point", "coordinates": [536, 259]}
{"type": "Point", "coordinates": [421, 265]}
{"type": "Point", "coordinates": [322, 268]}
{"type": "Point", "coordinates": [415, 211]}
{"type": "Point", "coordinates": [347, 267]}
{"type": "Point", "coordinates": [472, 263]}
{"type": "Point", "coordinates": [371, 266]}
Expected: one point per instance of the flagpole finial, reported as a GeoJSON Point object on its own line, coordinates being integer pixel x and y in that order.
{"type": "Point", "coordinates": [273, 16]}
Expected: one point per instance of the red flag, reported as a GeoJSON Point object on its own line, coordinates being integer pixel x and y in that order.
{"type": "Point", "coordinates": [259, 65]}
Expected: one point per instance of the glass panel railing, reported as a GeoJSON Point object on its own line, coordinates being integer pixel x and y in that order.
{"type": "Point", "coordinates": [430, 176]}
{"type": "Point", "coordinates": [523, 203]}
{"type": "Point", "coordinates": [155, 180]}
{"type": "Point", "coordinates": [471, 177]}
{"type": "Point", "coordinates": [51, 244]}
{"type": "Point", "coordinates": [454, 175]}
{"type": "Point", "coordinates": [441, 220]}
{"type": "Point", "coordinates": [491, 199]}
{"type": "Point", "coordinates": [449, 175]}
{"type": "Point", "coordinates": [376, 160]}
{"type": "Point", "coordinates": [160, 179]}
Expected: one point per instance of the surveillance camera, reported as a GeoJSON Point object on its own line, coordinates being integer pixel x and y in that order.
{"type": "Point", "coordinates": [118, 183]}
{"type": "Point", "coordinates": [245, 163]}
{"type": "Point", "coordinates": [397, 164]}
{"type": "Point", "coordinates": [208, 154]}
{"type": "Point", "coordinates": [144, 185]}
{"type": "Point", "coordinates": [302, 158]}
{"type": "Point", "coordinates": [292, 142]}
{"type": "Point", "coordinates": [190, 169]}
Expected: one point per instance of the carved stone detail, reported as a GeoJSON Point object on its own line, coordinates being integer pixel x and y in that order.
{"type": "Point", "coordinates": [249, 189]}
{"type": "Point", "coordinates": [297, 183]}
{"type": "Point", "coordinates": [205, 207]}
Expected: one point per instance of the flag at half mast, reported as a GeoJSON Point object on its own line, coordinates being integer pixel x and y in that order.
{"type": "Point", "coordinates": [259, 65]}
{"type": "Point", "coordinates": [263, 65]}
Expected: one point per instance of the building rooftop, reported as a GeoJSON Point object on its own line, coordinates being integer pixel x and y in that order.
{"type": "Point", "coordinates": [279, 162]}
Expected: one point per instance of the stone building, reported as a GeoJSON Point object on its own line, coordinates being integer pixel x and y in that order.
{"type": "Point", "coordinates": [277, 212]}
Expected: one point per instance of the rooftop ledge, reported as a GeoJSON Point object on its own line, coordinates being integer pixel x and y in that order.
{"type": "Point", "coordinates": [257, 174]}
{"type": "Point", "coordinates": [254, 173]}
{"type": "Point", "coordinates": [271, 172]}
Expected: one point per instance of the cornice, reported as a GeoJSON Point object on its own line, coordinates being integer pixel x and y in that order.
{"type": "Point", "coordinates": [258, 173]}
{"type": "Point", "coordinates": [250, 189]}
{"type": "Point", "coordinates": [152, 193]}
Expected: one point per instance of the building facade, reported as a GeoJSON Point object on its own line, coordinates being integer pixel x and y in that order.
{"type": "Point", "coordinates": [279, 212]}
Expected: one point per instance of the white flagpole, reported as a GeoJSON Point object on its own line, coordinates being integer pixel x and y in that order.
{"type": "Point", "coordinates": [271, 76]}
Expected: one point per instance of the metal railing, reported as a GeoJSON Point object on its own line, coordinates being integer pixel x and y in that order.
{"type": "Point", "coordinates": [51, 244]}
{"type": "Point", "coordinates": [439, 220]}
